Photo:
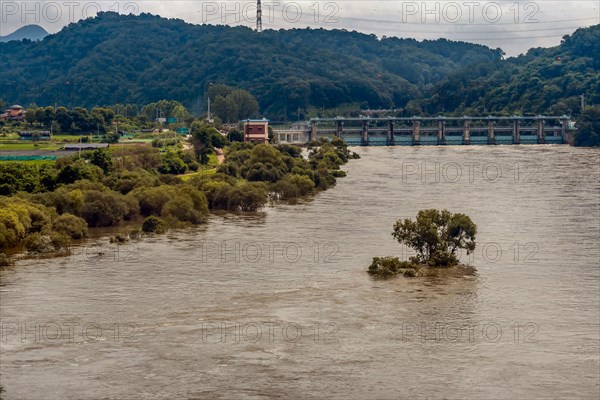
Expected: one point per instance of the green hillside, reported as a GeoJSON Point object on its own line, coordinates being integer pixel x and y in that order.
{"type": "Point", "coordinates": [547, 81]}
{"type": "Point", "coordinates": [140, 59]}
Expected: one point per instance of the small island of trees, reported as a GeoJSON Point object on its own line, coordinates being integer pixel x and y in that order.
{"type": "Point", "coordinates": [435, 236]}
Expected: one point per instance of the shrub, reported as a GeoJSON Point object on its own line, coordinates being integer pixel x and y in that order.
{"type": "Point", "coordinates": [182, 209]}
{"type": "Point", "coordinates": [229, 168]}
{"type": "Point", "coordinates": [119, 238]}
{"type": "Point", "coordinates": [198, 198]}
{"type": "Point", "coordinates": [171, 180]}
{"type": "Point", "coordinates": [172, 164]}
{"type": "Point", "coordinates": [128, 181]}
{"type": "Point", "coordinates": [248, 197]}
{"type": "Point", "coordinates": [386, 267]}
{"type": "Point", "coordinates": [6, 261]}
{"type": "Point", "coordinates": [410, 273]}
{"type": "Point", "coordinates": [38, 243]}
{"type": "Point", "coordinates": [442, 258]}
{"type": "Point", "coordinates": [71, 226]}
{"type": "Point", "coordinates": [104, 208]}
{"type": "Point", "coordinates": [133, 206]}
{"type": "Point", "coordinates": [102, 159]}
{"type": "Point", "coordinates": [304, 184]}
{"type": "Point", "coordinates": [155, 224]}
{"type": "Point", "coordinates": [286, 190]}
{"type": "Point", "coordinates": [152, 200]}
{"type": "Point", "coordinates": [193, 166]}
{"type": "Point", "coordinates": [263, 172]}
{"type": "Point", "coordinates": [77, 171]}
{"type": "Point", "coordinates": [19, 218]}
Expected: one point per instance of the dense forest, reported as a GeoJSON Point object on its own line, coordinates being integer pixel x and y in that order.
{"type": "Point", "coordinates": [549, 81]}
{"type": "Point", "coordinates": [126, 59]}
{"type": "Point", "coordinates": [113, 59]}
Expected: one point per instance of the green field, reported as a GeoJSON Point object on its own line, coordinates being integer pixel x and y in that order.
{"type": "Point", "coordinates": [201, 172]}
{"type": "Point", "coordinates": [30, 162]}
{"type": "Point", "coordinates": [29, 146]}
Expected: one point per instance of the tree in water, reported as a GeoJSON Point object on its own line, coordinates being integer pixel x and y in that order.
{"type": "Point", "coordinates": [436, 236]}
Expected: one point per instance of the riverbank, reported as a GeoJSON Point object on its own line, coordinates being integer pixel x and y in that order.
{"type": "Point", "coordinates": [57, 203]}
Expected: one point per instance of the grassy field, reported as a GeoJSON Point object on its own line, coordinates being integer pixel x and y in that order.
{"type": "Point", "coordinates": [209, 169]}
{"type": "Point", "coordinates": [30, 162]}
{"type": "Point", "coordinates": [201, 172]}
{"type": "Point", "coordinates": [27, 146]}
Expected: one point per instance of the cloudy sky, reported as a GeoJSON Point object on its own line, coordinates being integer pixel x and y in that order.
{"type": "Point", "coordinates": [514, 26]}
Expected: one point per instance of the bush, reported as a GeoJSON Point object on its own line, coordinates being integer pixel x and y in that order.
{"type": "Point", "coordinates": [102, 159]}
{"type": "Point", "coordinates": [338, 173]}
{"type": "Point", "coordinates": [386, 267]}
{"type": "Point", "coordinates": [155, 224]}
{"type": "Point", "coordinates": [442, 258]}
{"type": "Point", "coordinates": [172, 164]}
{"type": "Point", "coordinates": [119, 238]}
{"type": "Point", "coordinates": [286, 190]}
{"type": "Point", "coordinates": [71, 226]}
{"type": "Point", "coordinates": [304, 184]}
{"type": "Point", "coordinates": [152, 199]}
{"type": "Point", "coordinates": [247, 197]}
{"type": "Point", "coordinates": [6, 261]}
{"type": "Point", "coordinates": [193, 166]}
{"type": "Point", "coordinates": [182, 209]}
{"type": "Point", "coordinates": [104, 208]}
{"type": "Point", "coordinates": [38, 243]}
{"type": "Point", "coordinates": [79, 170]}
{"type": "Point", "coordinates": [19, 218]}
{"type": "Point", "coordinates": [198, 198]}
{"type": "Point", "coordinates": [128, 181]}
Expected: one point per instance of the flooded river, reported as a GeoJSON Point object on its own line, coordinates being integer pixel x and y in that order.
{"type": "Point", "coordinates": [279, 305]}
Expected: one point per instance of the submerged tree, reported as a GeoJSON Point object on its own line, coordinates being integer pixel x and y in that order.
{"type": "Point", "coordinates": [436, 236]}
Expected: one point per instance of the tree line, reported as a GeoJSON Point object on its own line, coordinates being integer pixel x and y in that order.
{"type": "Point", "coordinates": [43, 207]}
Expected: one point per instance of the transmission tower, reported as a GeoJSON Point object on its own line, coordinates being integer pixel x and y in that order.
{"type": "Point", "coordinates": [258, 16]}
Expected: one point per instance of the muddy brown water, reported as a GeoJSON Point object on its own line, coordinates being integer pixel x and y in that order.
{"type": "Point", "coordinates": [278, 304]}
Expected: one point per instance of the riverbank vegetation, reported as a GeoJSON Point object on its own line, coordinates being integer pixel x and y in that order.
{"type": "Point", "coordinates": [588, 127]}
{"type": "Point", "coordinates": [43, 207]}
{"type": "Point", "coordinates": [435, 236]}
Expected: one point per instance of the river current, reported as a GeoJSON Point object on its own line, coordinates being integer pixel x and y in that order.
{"type": "Point", "coordinates": [278, 304]}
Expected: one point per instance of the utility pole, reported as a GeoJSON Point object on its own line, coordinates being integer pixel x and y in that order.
{"type": "Point", "coordinates": [258, 16]}
{"type": "Point", "coordinates": [208, 113]}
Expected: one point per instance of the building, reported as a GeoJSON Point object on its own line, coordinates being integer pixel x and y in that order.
{"type": "Point", "coordinates": [256, 130]}
{"type": "Point", "coordinates": [34, 135]}
{"type": "Point", "coordinates": [85, 146]}
{"type": "Point", "coordinates": [15, 113]}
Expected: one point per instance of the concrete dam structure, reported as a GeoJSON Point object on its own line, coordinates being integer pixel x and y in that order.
{"type": "Point", "coordinates": [415, 131]}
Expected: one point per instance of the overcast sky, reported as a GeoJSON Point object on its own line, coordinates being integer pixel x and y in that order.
{"type": "Point", "coordinates": [514, 26]}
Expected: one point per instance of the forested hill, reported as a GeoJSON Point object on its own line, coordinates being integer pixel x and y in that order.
{"type": "Point", "coordinates": [545, 80]}
{"type": "Point", "coordinates": [115, 58]}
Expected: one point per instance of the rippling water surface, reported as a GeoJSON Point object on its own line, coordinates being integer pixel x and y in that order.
{"type": "Point", "coordinates": [278, 304]}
